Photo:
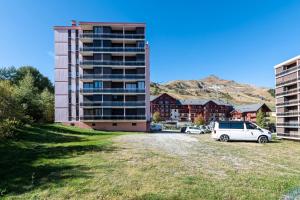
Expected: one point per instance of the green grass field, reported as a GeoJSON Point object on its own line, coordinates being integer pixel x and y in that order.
{"type": "Point", "coordinates": [58, 162]}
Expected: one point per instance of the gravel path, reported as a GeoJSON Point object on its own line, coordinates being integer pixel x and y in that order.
{"type": "Point", "coordinates": [171, 143]}
{"type": "Point", "coordinates": [196, 151]}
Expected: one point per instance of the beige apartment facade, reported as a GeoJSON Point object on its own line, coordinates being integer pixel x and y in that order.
{"type": "Point", "coordinates": [102, 76]}
{"type": "Point", "coordinates": [287, 96]}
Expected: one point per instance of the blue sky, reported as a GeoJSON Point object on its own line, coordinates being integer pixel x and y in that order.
{"type": "Point", "coordinates": [233, 39]}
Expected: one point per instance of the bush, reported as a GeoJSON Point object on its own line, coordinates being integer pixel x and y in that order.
{"type": "Point", "coordinates": [8, 128]}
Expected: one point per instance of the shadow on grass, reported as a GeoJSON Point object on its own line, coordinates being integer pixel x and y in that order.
{"type": "Point", "coordinates": [74, 130]}
{"type": "Point", "coordinates": [31, 160]}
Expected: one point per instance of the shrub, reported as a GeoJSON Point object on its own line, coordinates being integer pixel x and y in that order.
{"type": "Point", "coordinates": [8, 128]}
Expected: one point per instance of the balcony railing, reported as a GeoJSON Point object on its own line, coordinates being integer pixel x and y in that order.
{"type": "Point", "coordinates": [113, 62]}
{"type": "Point", "coordinates": [111, 35]}
{"type": "Point", "coordinates": [287, 82]}
{"type": "Point", "coordinates": [112, 76]}
{"type": "Point", "coordinates": [111, 90]}
{"type": "Point", "coordinates": [288, 114]}
{"type": "Point", "coordinates": [112, 49]}
{"type": "Point", "coordinates": [288, 70]}
{"type": "Point", "coordinates": [113, 117]}
{"type": "Point", "coordinates": [112, 103]}
{"type": "Point", "coordinates": [287, 92]}
{"type": "Point", "coordinates": [289, 124]}
{"type": "Point", "coordinates": [288, 103]}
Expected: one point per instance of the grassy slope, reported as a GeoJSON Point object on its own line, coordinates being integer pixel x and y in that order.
{"type": "Point", "coordinates": [57, 162]}
{"type": "Point", "coordinates": [49, 158]}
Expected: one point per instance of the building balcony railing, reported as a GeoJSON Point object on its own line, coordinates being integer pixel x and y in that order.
{"type": "Point", "coordinates": [112, 49]}
{"type": "Point", "coordinates": [287, 92]}
{"type": "Point", "coordinates": [289, 124]}
{"type": "Point", "coordinates": [112, 103]}
{"type": "Point", "coordinates": [287, 82]}
{"type": "Point", "coordinates": [111, 90]}
{"type": "Point", "coordinates": [113, 117]}
{"type": "Point", "coordinates": [112, 76]}
{"type": "Point", "coordinates": [288, 71]}
{"type": "Point", "coordinates": [112, 62]}
{"type": "Point", "coordinates": [288, 114]}
{"type": "Point", "coordinates": [111, 35]}
{"type": "Point", "coordinates": [286, 103]}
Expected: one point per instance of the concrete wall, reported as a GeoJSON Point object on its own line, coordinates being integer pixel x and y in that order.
{"type": "Point", "coordinates": [61, 75]}
{"type": "Point", "coordinates": [108, 126]}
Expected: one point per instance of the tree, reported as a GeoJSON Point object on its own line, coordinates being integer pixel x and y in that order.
{"type": "Point", "coordinates": [11, 113]}
{"type": "Point", "coordinates": [27, 95]}
{"type": "Point", "coordinates": [47, 102]}
{"type": "Point", "coordinates": [199, 120]}
{"type": "Point", "coordinates": [8, 73]}
{"type": "Point", "coordinates": [40, 81]}
{"type": "Point", "coordinates": [156, 117]}
{"type": "Point", "coordinates": [261, 119]}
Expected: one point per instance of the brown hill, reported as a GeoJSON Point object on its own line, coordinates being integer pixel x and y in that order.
{"type": "Point", "coordinates": [212, 87]}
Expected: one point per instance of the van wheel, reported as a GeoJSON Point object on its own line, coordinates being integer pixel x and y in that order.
{"type": "Point", "coordinates": [263, 139]}
{"type": "Point", "coordinates": [224, 138]}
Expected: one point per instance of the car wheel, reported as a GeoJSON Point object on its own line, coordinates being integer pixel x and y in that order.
{"type": "Point", "coordinates": [224, 138]}
{"type": "Point", "coordinates": [188, 132]}
{"type": "Point", "coordinates": [263, 139]}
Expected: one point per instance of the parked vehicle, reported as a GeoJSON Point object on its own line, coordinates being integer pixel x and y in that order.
{"type": "Point", "coordinates": [205, 129]}
{"type": "Point", "coordinates": [240, 130]}
{"type": "Point", "coordinates": [182, 129]}
{"type": "Point", "coordinates": [155, 127]}
{"type": "Point", "coordinates": [191, 129]}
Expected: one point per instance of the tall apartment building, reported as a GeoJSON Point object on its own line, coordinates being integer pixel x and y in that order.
{"type": "Point", "coordinates": [102, 76]}
{"type": "Point", "coordinates": [287, 98]}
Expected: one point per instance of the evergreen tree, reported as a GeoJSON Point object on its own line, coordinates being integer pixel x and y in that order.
{"type": "Point", "coordinates": [261, 119]}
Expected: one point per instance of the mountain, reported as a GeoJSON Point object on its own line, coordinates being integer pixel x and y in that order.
{"type": "Point", "coordinates": [213, 87]}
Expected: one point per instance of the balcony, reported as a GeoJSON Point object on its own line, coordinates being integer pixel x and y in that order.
{"type": "Point", "coordinates": [288, 103]}
{"type": "Point", "coordinates": [287, 82]}
{"type": "Point", "coordinates": [294, 113]}
{"type": "Point", "coordinates": [91, 36]}
{"type": "Point", "coordinates": [289, 124]}
{"type": "Point", "coordinates": [287, 92]}
{"type": "Point", "coordinates": [111, 90]}
{"type": "Point", "coordinates": [89, 51]}
{"type": "Point", "coordinates": [113, 117]}
{"type": "Point", "coordinates": [288, 71]}
{"type": "Point", "coordinates": [112, 76]}
{"type": "Point", "coordinates": [91, 63]}
{"type": "Point", "coordinates": [112, 103]}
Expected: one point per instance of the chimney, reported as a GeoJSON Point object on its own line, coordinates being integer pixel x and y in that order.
{"type": "Point", "coordinates": [74, 23]}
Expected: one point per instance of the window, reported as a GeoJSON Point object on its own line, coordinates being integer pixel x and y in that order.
{"type": "Point", "coordinates": [93, 124]}
{"type": "Point", "coordinates": [141, 85]}
{"type": "Point", "coordinates": [88, 85]}
{"type": "Point", "coordinates": [114, 124]}
{"type": "Point", "coordinates": [133, 124]}
{"type": "Point", "coordinates": [130, 85]}
{"type": "Point", "coordinates": [98, 29]}
{"type": "Point", "coordinates": [251, 126]}
{"type": "Point", "coordinates": [97, 84]}
{"type": "Point", "coordinates": [224, 125]}
{"type": "Point", "coordinates": [237, 125]}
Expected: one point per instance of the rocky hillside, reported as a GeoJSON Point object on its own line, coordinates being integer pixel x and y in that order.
{"type": "Point", "coordinates": [213, 87]}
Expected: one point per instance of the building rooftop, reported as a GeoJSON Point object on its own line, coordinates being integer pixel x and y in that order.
{"type": "Point", "coordinates": [249, 107]}
{"type": "Point", "coordinates": [289, 61]}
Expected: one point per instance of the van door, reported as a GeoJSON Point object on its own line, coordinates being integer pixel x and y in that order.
{"type": "Point", "coordinates": [237, 131]}
{"type": "Point", "coordinates": [252, 131]}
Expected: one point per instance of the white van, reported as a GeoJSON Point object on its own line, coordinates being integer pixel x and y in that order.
{"type": "Point", "coordinates": [240, 130]}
